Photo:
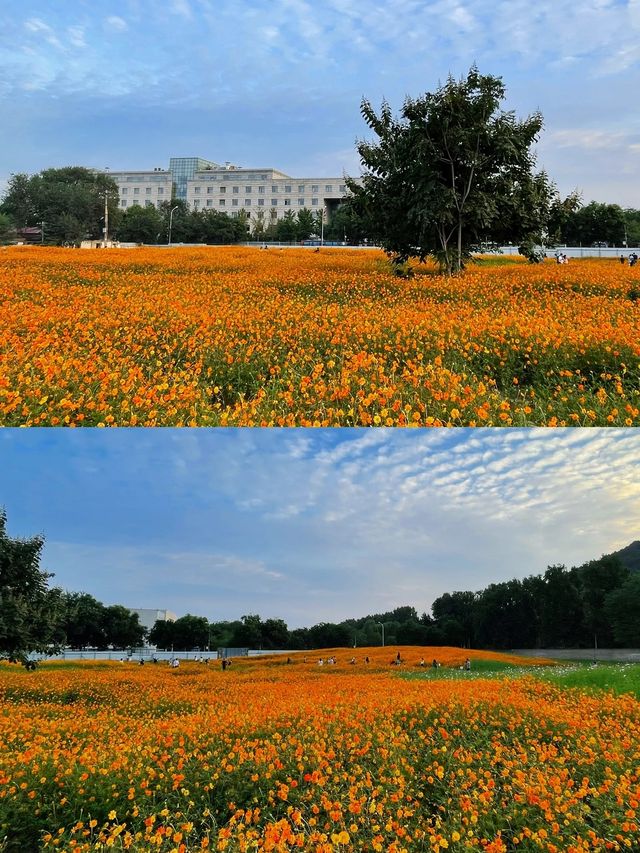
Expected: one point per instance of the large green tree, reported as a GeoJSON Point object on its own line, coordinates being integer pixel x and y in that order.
{"type": "Point", "coordinates": [31, 614]}
{"type": "Point", "coordinates": [454, 171]}
{"type": "Point", "coordinates": [69, 201]}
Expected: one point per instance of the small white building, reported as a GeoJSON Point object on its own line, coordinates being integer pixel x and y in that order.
{"type": "Point", "coordinates": [148, 616]}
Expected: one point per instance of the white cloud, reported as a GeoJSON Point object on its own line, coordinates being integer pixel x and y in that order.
{"type": "Point", "coordinates": [114, 22]}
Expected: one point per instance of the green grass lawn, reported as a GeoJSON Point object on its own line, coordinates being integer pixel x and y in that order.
{"type": "Point", "coordinates": [615, 677]}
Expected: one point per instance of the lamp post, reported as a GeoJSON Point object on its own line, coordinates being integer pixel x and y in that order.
{"type": "Point", "coordinates": [42, 224]}
{"type": "Point", "coordinates": [381, 624]}
{"type": "Point", "coordinates": [322, 230]}
{"type": "Point", "coordinates": [171, 222]}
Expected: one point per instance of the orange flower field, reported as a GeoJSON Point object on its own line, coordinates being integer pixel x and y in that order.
{"type": "Point", "coordinates": [271, 756]}
{"type": "Point", "coordinates": [238, 336]}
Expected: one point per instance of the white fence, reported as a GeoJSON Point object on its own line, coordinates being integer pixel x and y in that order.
{"type": "Point", "coordinates": [578, 251]}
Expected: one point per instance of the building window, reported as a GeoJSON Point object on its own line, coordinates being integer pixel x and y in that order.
{"type": "Point", "coordinates": [247, 202]}
{"type": "Point", "coordinates": [196, 190]}
{"type": "Point", "coordinates": [260, 202]}
{"type": "Point", "coordinates": [300, 188]}
{"type": "Point", "coordinates": [287, 202]}
{"type": "Point", "coordinates": [148, 204]}
{"type": "Point", "coordinates": [136, 190]}
{"type": "Point", "coordinates": [261, 190]}
{"type": "Point", "coordinates": [314, 201]}
{"type": "Point", "coordinates": [123, 203]}
{"type": "Point", "coordinates": [222, 202]}
{"type": "Point", "coordinates": [124, 190]}
{"type": "Point", "coordinates": [148, 191]}
{"type": "Point", "coordinates": [209, 190]}
{"type": "Point", "coordinates": [196, 204]}
{"type": "Point", "coordinates": [209, 202]}
{"type": "Point", "coordinates": [328, 188]}
{"type": "Point", "coordinates": [315, 188]}
{"type": "Point", "coordinates": [248, 189]}
{"type": "Point", "coordinates": [274, 202]}
{"type": "Point", "coordinates": [234, 202]}
{"type": "Point", "coordinates": [287, 188]}
{"type": "Point", "coordinates": [274, 214]}
{"type": "Point", "coordinates": [343, 188]}
{"type": "Point", "coordinates": [160, 190]}
{"type": "Point", "coordinates": [223, 189]}
{"type": "Point", "coordinates": [274, 188]}
{"type": "Point", "coordinates": [301, 202]}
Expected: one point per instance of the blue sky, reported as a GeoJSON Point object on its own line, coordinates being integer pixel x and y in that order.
{"type": "Point", "coordinates": [130, 83]}
{"type": "Point", "coordinates": [314, 525]}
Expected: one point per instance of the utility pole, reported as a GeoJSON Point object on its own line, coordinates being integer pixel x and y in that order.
{"type": "Point", "coordinates": [106, 217]}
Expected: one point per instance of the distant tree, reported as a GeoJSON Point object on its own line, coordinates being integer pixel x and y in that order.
{"type": "Point", "coordinates": [248, 633]}
{"type": "Point", "coordinates": [7, 228]}
{"type": "Point", "coordinates": [275, 634]}
{"type": "Point", "coordinates": [454, 615]}
{"type": "Point", "coordinates": [162, 634]}
{"type": "Point", "coordinates": [70, 201]}
{"type": "Point", "coordinates": [287, 228]}
{"type": "Point", "coordinates": [561, 609]}
{"type": "Point", "coordinates": [453, 170]}
{"type": "Point", "coordinates": [31, 614]}
{"type": "Point", "coordinates": [346, 224]}
{"type": "Point", "coordinates": [18, 203]}
{"type": "Point", "coordinates": [306, 224]}
{"type": "Point", "coordinates": [141, 225]}
{"type": "Point", "coordinates": [84, 620]}
{"type": "Point", "coordinates": [190, 632]}
{"type": "Point", "coordinates": [122, 628]}
{"type": "Point", "coordinates": [597, 579]}
{"type": "Point", "coordinates": [622, 610]}
{"type": "Point", "coordinates": [328, 635]}
{"type": "Point", "coordinates": [258, 229]}
{"type": "Point", "coordinates": [595, 223]}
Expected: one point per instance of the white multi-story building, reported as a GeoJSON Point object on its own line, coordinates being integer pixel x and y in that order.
{"type": "Point", "coordinates": [264, 194]}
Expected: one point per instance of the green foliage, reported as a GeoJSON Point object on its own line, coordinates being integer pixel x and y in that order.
{"type": "Point", "coordinates": [141, 225]}
{"type": "Point", "coordinates": [622, 611]}
{"type": "Point", "coordinates": [454, 172]}
{"type": "Point", "coordinates": [7, 228]}
{"type": "Point", "coordinates": [30, 612]}
{"type": "Point", "coordinates": [70, 202]}
{"type": "Point", "coordinates": [595, 223]}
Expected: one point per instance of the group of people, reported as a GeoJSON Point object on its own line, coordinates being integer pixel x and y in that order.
{"type": "Point", "coordinates": [561, 258]}
{"type": "Point", "coordinates": [633, 259]}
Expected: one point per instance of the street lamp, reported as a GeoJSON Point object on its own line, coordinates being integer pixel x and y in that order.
{"type": "Point", "coordinates": [171, 221]}
{"type": "Point", "coordinates": [381, 624]}
{"type": "Point", "coordinates": [322, 232]}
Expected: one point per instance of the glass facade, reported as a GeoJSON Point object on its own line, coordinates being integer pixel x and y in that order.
{"type": "Point", "coordinates": [184, 168]}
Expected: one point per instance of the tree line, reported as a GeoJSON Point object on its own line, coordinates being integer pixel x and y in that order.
{"type": "Point", "coordinates": [596, 604]}
{"type": "Point", "coordinates": [67, 205]}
